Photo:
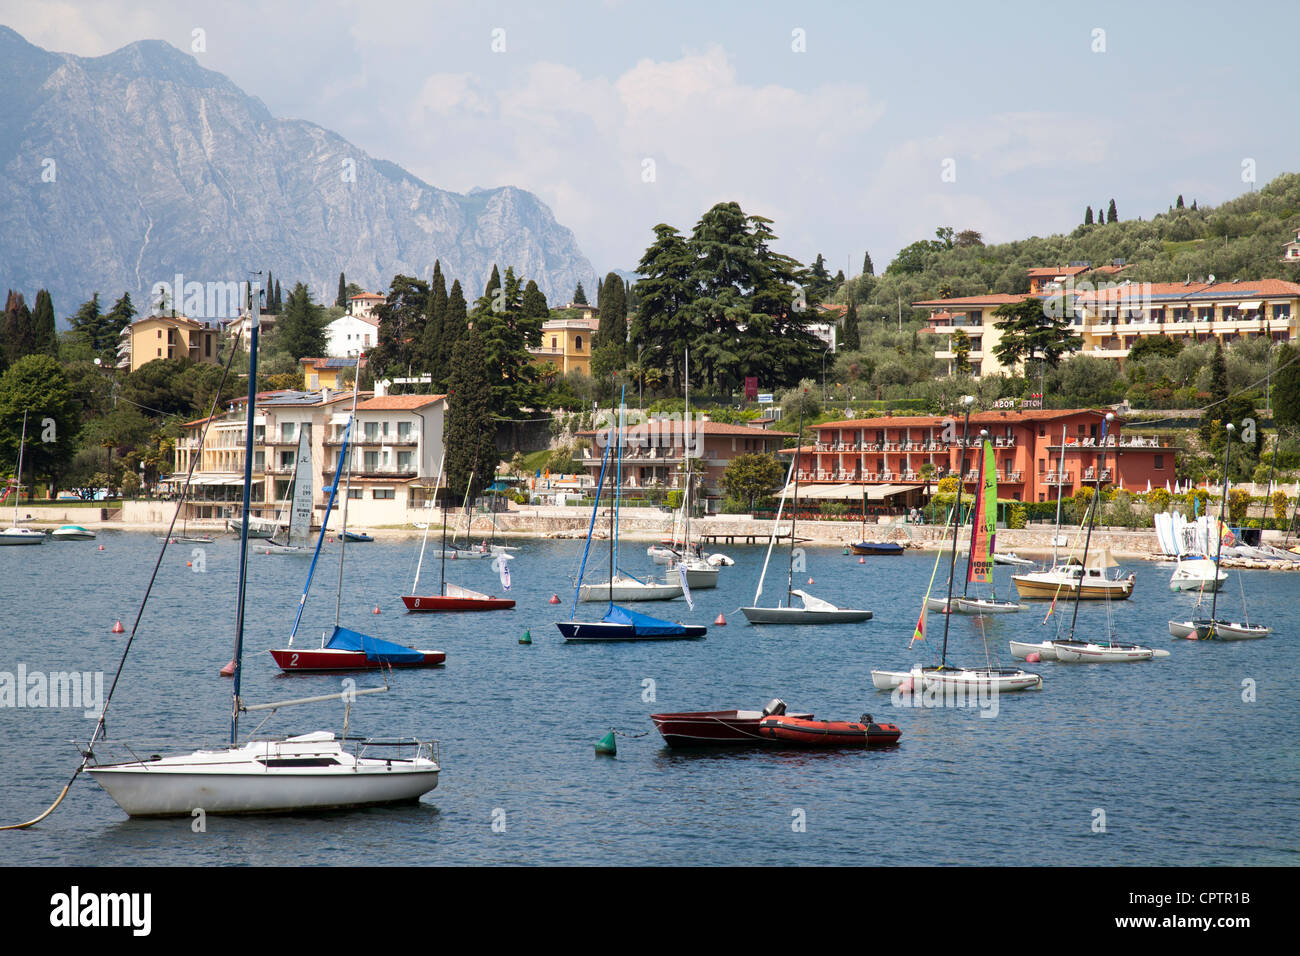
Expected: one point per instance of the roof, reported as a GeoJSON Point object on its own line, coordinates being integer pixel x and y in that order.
{"type": "Point", "coordinates": [1053, 271]}
{"type": "Point", "coordinates": [996, 416]}
{"type": "Point", "coordinates": [291, 399]}
{"type": "Point", "coordinates": [1159, 292]}
{"type": "Point", "coordinates": [366, 295]}
{"type": "Point", "coordinates": [673, 426]}
{"type": "Point", "coordinates": [994, 298]}
{"type": "Point", "coordinates": [182, 320]}
{"type": "Point", "coordinates": [392, 403]}
{"type": "Point", "coordinates": [368, 320]}
{"type": "Point", "coordinates": [329, 362]}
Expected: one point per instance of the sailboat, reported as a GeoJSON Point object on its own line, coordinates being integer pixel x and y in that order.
{"type": "Point", "coordinates": [16, 534]}
{"type": "Point", "coordinates": [307, 772]}
{"type": "Point", "coordinates": [345, 649]}
{"type": "Point", "coordinates": [1074, 650]}
{"type": "Point", "coordinates": [1203, 628]}
{"type": "Point", "coordinates": [450, 597]}
{"type": "Point", "coordinates": [984, 524]}
{"type": "Point", "coordinates": [618, 623]}
{"type": "Point", "coordinates": [691, 564]}
{"type": "Point", "coordinates": [864, 546]}
{"type": "Point", "coordinates": [921, 678]}
{"type": "Point", "coordinates": [299, 532]}
{"type": "Point", "coordinates": [814, 610]}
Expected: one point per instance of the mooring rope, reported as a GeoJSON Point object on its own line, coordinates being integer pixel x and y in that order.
{"type": "Point", "coordinates": [180, 504]}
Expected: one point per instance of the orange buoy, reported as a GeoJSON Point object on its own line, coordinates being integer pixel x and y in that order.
{"type": "Point", "coordinates": [720, 621]}
{"type": "Point", "coordinates": [555, 599]}
{"type": "Point", "coordinates": [228, 670]}
{"type": "Point", "coordinates": [189, 564]}
{"type": "Point", "coordinates": [1033, 657]}
{"type": "Point", "coordinates": [862, 560]}
{"type": "Point", "coordinates": [118, 628]}
{"type": "Point", "coordinates": [376, 610]}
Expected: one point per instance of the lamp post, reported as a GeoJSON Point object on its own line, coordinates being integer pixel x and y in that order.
{"type": "Point", "coordinates": [826, 351]}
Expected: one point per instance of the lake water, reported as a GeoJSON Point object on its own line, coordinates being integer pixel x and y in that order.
{"type": "Point", "coordinates": [1184, 770]}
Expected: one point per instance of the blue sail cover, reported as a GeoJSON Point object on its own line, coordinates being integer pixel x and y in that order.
{"type": "Point", "coordinates": [382, 652]}
{"type": "Point", "coordinates": [644, 624]}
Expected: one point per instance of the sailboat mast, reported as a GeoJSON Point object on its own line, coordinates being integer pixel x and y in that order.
{"type": "Point", "coordinates": [254, 322]}
{"type": "Point", "coordinates": [442, 585]}
{"type": "Point", "coordinates": [686, 450]}
{"type": "Point", "coordinates": [1092, 520]}
{"type": "Point", "coordinates": [780, 509]}
{"type": "Point", "coordinates": [794, 509]}
{"type": "Point", "coordinates": [347, 493]}
{"type": "Point", "coordinates": [1223, 507]}
{"type": "Point", "coordinates": [967, 400]}
{"type": "Point", "coordinates": [18, 478]}
{"type": "Point", "coordinates": [425, 540]}
{"type": "Point", "coordinates": [618, 493]}
{"type": "Point", "coordinates": [1060, 487]}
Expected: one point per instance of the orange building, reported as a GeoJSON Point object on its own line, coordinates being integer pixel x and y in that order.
{"type": "Point", "coordinates": [1034, 455]}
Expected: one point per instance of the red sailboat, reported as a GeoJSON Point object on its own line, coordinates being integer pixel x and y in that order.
{"type": "Point", "coordinates": [453, 597]}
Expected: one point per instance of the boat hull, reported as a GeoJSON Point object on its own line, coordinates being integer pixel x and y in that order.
{"type": "Point", "coordinates": [877, 548]}
{"type": "Point", "coordinates": [792, 731]}
{"type": "Point", "coordinates": [922, 679]}
{"type": "Point", "coordinates": [1045, 650]}
{"type": "Point", "coordinates": [264, 777]}
{"type": "Point", "coordinates": [1218, 630]}
{"type": "Point", "coordinates": [1084, 652]}
{"type": "Point", "coordinates": [331, 659]}
{"type": "Point", "coordinates": [798, 615]}
{"type": "Point", "coordinates": [710, 728]}
{"type": "Point", "coordinates": [593, 631]}
{"type": "Point", "coordinates": [439, 602]}
{"type": "Point", "coordinates": [21, 536]}
{"type": "Point", "coordinates": [698, 579]}
{"type": "Point", "coordinates": [623, 593]}
{"type": "Point", "coordinates": [982, 606]}
{"type": "Point", "coordinates": [72, 534]}
{"type": "Point", "coordinates": [1033, 589]}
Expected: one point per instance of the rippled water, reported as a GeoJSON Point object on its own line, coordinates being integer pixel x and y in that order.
{"type": "Point", "coordinates": [1185, 771]}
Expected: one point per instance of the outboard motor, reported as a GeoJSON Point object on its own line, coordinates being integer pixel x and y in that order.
{"type": "Point", "coordinates": [775, 707]}
{"type": "Point", "coordinates": [865, 719]}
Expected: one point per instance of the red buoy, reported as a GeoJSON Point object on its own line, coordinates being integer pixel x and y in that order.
{"type": "Point", "coordinates": [810, 580]}
{"type": "Point", "coordinates": [1033, 657]}
{"type": "Point", "coordinates": [376, 611]}
{"type": "Point", "coordinates": [101, 547]}
{"type": "Point", "coordinates": [862, 560]}
{"type": "Point", "coordinates": [118, 628]}
{"type": "Point", "coordinates": [228, 670]}
{"type": "Point", "coordinates": [720, 622]}
{"type": "Point", "coordinates": [555, 599]}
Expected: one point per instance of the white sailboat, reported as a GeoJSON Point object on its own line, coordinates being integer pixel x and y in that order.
{"type": "Point", "coordinates": [313, 771]}
{"type": "Point", "coordinates": [16, 534]}
{"type": "Point", "coordinates": [699, 572]}
{"type": "Point", "coordinates": [299, 503]}
{"type": "Point", "coordinates": [1075, 650]}
{"type": "Point", "coordinates": [814, 610]}
{"type": "Point", "coordinates": [921, 678]}
{"type": "Point", "coordinates": [983, 542]}
{"type": "Point", "coordinates": [1200, 627]}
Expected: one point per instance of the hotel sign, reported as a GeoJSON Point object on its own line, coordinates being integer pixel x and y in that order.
{"type": "Point", "coordinates": [1034, 401]}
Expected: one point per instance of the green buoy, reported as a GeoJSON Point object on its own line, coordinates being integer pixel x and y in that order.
{"type": "Point", "coordinates": [527, 638]}
{"type": "Point", "coordinates": [846, 550]}
{"type": "Point", "coordinates": [606, 745]}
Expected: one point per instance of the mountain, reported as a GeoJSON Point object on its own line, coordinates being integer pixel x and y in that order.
{"type": "Point", "coordinates": [119, 171]}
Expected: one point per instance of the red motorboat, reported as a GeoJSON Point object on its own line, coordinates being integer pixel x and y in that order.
{"type": "Point", "coordinates": [796, 731]}
{"type": "Point", "coordinates": [708, 728]}
{"type": "Point", "coordinates": [349, 650]}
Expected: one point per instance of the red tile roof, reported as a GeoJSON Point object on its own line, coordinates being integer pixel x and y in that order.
{"type": "Point", "coordinates": [389, 403]}
{"type": "Point", "coordinates": [995, 298]}
{"type": "Point", "coordinates": [674, 426]}
{"type": "Point", "coordinates": [996, 416]}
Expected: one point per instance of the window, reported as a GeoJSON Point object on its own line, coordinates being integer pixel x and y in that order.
{"type": "Point", "coordinates": [1160, 462]}
{"type": "Point", "coordinates": [286, 431]}
{"type": "Point", "coordinates": [577, 344]}
{"type": "Point", "coordinates": [355, 494]}
{"type": "Point", "coordinates": [555, 343]}
{"type": "Point", "coordinates": [372, 431]}
{"type": "Point", "coordinates": [286, 459]}
{"type": "Point", "coordinates": [1042, 466]}
{"type": "Point", "coordinates": [1282, 311]}
{"type": "Point", "coordinates": [384, 494]}
{"type": "Point", "coordinates": [406, 461]}
{"type": "Point", "coordinates": [371, 461]}
{"type": "Point", "coordinates": [404, 430]}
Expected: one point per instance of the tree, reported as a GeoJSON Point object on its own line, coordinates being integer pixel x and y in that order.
{"type": "Point", "coordinates": [401, 327]}
{"type": "Point", "coordinates": [961, 351]}
{"type": "Point", "coordinates": [1153, 345]}
{"type": "Point", "coordinates": [505, 335]}
{"type": "Point", "coordinates": [300, 331]}
{"type": "Point", "coordinates": [434, 352]}
{"type": "Point", "coordinates": [613, 313]}
{"type": "Point", "coordinates": [38, 385]}
{"type": "Point", "coordinates": [19, 331]}
{"type": "Point", "coordinates": [90, 326]}
{"type": "Point", "coordinates": [914, 258]}
{"type": "Point", "coordinates": [44, 330]}
{"type": "Point", "coordinates": [819, 281]}
{"type": "Point", "coordinates": [664, 325]}
{"type": "Point", "coordinates": [751, 478]}
{"type": "Point", "coordinates": [1179, 204]}
{"type": "Point", "coordinates": [579, 297]}
{"type": "Point", "coordinates": [1032, 329]}
{"type": "Point", "coordinates": [1286, 388]}
{"type": "Point", "coordinates": [852, 334]}
{"type": "Point", "coordinates": [471, 432]}
{"type": "Point", "coordinates": [119, 317]}
{"type": "Point", "coordinates": [969, 238]}
{"type": "Point", "coordinates": [867, 267]}
{"type": "Point", "coordinates": [534, 302]}
{"type": "Point", "coordinates": [1087, 217]}
{"type": "Point", "coordinates": [1111, 214]}
{"type": "Point", "coordinates": [341, 300]}
{"type": "Point", "coordinates": [1215, 411]}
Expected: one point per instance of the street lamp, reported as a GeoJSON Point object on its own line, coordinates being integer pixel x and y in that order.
{"type": "Point", "coordinates": [825, 352]}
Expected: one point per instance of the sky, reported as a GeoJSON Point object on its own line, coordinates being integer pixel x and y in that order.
{"type": "Point", "coordinates": [853, 126]}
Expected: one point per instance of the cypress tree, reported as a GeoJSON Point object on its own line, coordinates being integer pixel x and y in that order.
{"type": "Point", "coordinates": [268, 303]}
{"type": "Point", "coordinates": [533, 303]}
{"type": "Point", "coordinates": [455, 324]}
{"type": "Point", "coordinates": [579, 297]}
{"type": "Point", "coordinates": [470, 431]}
{"type": "Point", "coordinates": [1111, 214]}
{"type": "Point", "coordinates": [867, 268]}
{"type": "Point", "coordinates": [434, 353]}
{"type": "Point", "coordinates": [852, 335]}
{"type": "Point", "coordinates": [1087, 217]}
{"type": "Point", "coordinates": [43, 326]}
{"type": "Point", "coordinates": [279, 302]}
{"type": "Point", "coordinates": [20, 336]}
{"type": "Point", "coordinates": [88, 324]}
{"type": "Point", "coordinates": [342, 299]}
{"type": "Point", "coordinates": [1179, 204]}
{"type": "Point", "coordinates": [613, 313]}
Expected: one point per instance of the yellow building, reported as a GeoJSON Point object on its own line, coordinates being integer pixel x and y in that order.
{"type": "Point", "coordinates": [167, 336]}
{"type": "Point", "coordinates": [972, 315]}
{"type": "Point", "coordinates": [318, 373]}
{"type": "Point", "coordinates": [566, 343]}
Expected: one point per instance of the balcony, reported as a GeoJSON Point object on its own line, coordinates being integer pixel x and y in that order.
{"type": "Point", "coordinates": [1058, 478]}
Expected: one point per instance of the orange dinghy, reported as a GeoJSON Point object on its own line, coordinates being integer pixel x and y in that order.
{"type": "Point", "coordinates": [805, 732]}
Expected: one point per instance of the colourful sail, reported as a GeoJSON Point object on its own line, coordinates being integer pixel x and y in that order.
{"type": "Point", "coordinates": [919, 633]}
{"type": "Point", "coordinates": [985, 519]}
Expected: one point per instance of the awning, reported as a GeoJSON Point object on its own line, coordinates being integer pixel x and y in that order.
{"type": "Point", "coordinates": [848, 492]}
{"type": "Point", "coordinates": [1249, 306]}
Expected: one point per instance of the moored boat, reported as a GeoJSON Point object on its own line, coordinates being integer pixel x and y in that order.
{"type": "Point", "coordinates": [352, 651]}
{"type": "Point", "coordinates": [795, 731]}
{"type": "Point", "coordinates": [708, 728]}
{"type": "Point", "coordinates": [1196, 572]}
{"type": "Point", "coordinates": [877, 547]}
{"type": "Point", "coordinates": [72, 532]}
{"type": "Point", "coordinates": [814, 611]}
{"type": "Point", "coordinates": [920, 679]}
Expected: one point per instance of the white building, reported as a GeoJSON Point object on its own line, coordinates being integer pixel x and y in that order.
{"type": "Point", "coordinates": [349, 335]}
{"type": "Point", "coordinates": [364, 303]}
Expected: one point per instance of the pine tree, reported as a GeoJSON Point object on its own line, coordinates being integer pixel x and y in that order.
{"type": "Point", "coordinates": [1111, 214]}
{"type": "Point", "coordinates": [300, 331]}
{"type": "Point", "coordinates": [1193, 205]}
{"type": "Point", "coordinates": [43, 325]}
{"type": "Point", "coordinates": [268, 301]}
{"type": "Point", "coordinates": [119, 317]}
{"type": "Point", "coordinates": [1087, 217]}
{"type": "Point", "coordinates": [579, 297]}
{"type": "Point", "coordinates": [19, 333]}
{"type": "Point", "coordinates": [852, 335]}
{"type": "Point", "coordinates": [867, 268]}
{"type": "Point", "coordinates": [1215, 411]}
{"type": "Point", "coordinates": [1179, 204]}
{"type": "Point", "coordinates": [533, 303]}
{"type": "Point", "coordinates": [342, 299]}
{"type": "Point", "coordinates": [88, 324]}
